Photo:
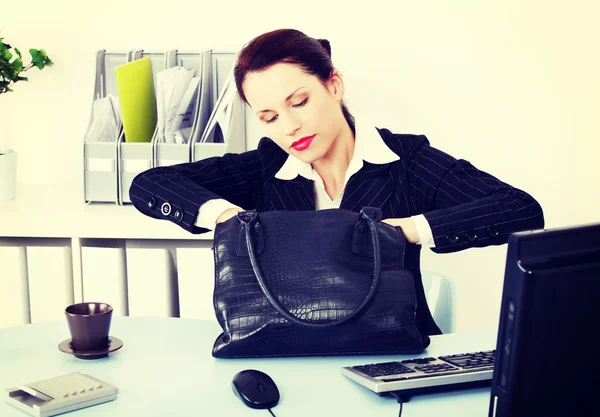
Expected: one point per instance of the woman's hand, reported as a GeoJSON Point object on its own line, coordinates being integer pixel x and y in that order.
{"type": "Point", "coordinates": [228, 214]}
{"type": "Point", "coordinates": [408, 227]}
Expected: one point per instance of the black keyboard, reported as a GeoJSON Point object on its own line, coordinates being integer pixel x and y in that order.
{"type": "Point", "coordinates": [429, 374]}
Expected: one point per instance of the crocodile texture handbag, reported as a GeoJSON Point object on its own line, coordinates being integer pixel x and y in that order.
{"type": "Point", "coordinates": [327, 282]}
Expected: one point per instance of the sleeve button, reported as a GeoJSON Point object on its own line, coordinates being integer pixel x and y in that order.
{"type": "Point", "coordinates": [178, 215]}
{"type": "Point", "coordinates": [165, 209]}
{"type": "Point", "coordinates": [472, 235]}
{"type": "Point", "coordinates": [453, 237]}
{"type": "Point", "coordinates": [493, 231]}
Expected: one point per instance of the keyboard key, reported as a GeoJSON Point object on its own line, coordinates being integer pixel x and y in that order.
{"type": "Point", "coordinates": [435, 368]}
{"type": "Point", "coordinates": [383, 369]}
{"type": "Point", "coordinates": [471, 360]}
{"type": "Point", "coordinates": [420, 361]}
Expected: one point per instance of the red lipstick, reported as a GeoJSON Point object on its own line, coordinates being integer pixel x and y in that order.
{"type": "Point", "coordinates": [302, 144]}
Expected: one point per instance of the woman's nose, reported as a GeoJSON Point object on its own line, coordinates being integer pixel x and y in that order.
{"type": "Point", "coordinates": [291, 126]}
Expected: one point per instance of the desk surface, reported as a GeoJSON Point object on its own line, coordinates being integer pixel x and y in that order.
{"type": "Point", "coordinates": [61, 212]}
{"type": "Point", "coordinates": [165, 368]}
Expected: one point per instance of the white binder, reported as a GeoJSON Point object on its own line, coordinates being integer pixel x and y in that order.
{"type": "Point", "coordinates": [151, 282]}
{"type": "Point", "coordinates": [50, 271]}
{"type": "Point", "coordinates": [105, 276]}
{"type": "Point", "coordinates": [196, 281]}
{"type": "Point", "coordinates": [14, 288]}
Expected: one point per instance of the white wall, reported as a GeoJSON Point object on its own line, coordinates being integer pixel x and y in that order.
{"type": "Point", "coordinates": [511, 86]}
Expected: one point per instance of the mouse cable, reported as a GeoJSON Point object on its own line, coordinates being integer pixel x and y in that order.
{"type": "Point", "coordinates": [397, 396]}
{"type": "Point", "coordinates": [271, 412]}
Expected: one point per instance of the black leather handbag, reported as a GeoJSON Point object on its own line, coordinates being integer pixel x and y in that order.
{"type": "Point", "coordinates": [327, 282]}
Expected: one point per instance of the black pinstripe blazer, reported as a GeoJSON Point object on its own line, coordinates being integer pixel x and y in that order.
{"type": "Point", "coordinates": [464, 206]}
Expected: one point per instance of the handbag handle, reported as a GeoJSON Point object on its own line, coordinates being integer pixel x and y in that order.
{"type": "Point", "coordinates": [247, 218]}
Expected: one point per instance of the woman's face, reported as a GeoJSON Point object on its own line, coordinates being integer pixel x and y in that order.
{"type": "Point", "coordinates": [294, 107]}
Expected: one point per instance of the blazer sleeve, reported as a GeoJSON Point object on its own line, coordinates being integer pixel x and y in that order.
{"type": "Point", "coordinates": [176, 192]}
{"type": "Point", "coordinates": [465, 207]}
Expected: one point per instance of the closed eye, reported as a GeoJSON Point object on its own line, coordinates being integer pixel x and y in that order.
{"type": "Point", "coordinates": [302, 103]}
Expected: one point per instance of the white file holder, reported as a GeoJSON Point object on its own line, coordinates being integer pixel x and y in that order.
{"type": "Point", "coordinates": [214, 68]}
{"type": "Point", "coordinates": [100, 158]}
{"type": "Point", "coordinates": [136, 157]}
{"type": "Point", "coordinates": [227, 119]}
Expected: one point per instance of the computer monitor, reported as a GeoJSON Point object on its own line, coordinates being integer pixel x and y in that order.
{"type": "Point", "coordinates": [548, 347]}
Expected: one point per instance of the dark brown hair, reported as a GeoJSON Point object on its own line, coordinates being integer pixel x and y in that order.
{"type": "Point", "coordinates": [290, 46]}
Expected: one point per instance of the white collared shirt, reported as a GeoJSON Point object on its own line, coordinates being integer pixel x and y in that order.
{"type": "Point", "coordinates": [369, 147]}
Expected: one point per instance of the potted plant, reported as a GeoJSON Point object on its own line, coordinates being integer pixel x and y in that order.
{"type": "Point", "coordinates": [11, 71]}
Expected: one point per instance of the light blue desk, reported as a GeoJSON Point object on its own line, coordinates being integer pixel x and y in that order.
{"type": "Point", "coordinates": [165, 368]}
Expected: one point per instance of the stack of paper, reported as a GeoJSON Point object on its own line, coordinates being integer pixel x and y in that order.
{"type": "Point", "coordinates": [177, 96]}
{"type": "Point", "coordinates": [138, 101]}
{"type": "Point", "coordinates": [106, 120]}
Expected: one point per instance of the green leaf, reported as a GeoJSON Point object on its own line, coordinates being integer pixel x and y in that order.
{"type": "Point", "coordinates": [19, 78]}
{"type": "Point", "coordinates": [39, 58]}
{"type": "Point", "coordinates": [5, 54]}
{"type": "Point", "coordinates": [36, 58]}
{"type": "Point", "coordinates": [10, 72]}
{"type": "Point", "coordinates": [17, 65]}
{"type": "Point", "coordinates": [47, 61]}
{"type": "Point", "coordinates": [18, 52]}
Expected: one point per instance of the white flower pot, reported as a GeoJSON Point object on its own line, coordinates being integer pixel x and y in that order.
{"type": "Point", "coordinates": [8, 174]}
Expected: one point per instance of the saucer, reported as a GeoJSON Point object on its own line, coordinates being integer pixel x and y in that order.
{"type": "Point", "coordinates": [114, 344]}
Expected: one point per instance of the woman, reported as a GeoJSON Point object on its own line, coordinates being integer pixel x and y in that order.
{"type": "Point", "coordinates": [316, 157]}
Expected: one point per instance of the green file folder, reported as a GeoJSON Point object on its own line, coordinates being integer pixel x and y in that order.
{"type": "Point", "coordinates": [138, 101]}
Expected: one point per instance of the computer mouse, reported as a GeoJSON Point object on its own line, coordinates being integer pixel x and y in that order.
{"type": "Point", "coordinates": [255, 388]}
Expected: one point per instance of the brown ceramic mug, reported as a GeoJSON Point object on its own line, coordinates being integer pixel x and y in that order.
{"type": "Point", "coordinates": [89, 324]}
